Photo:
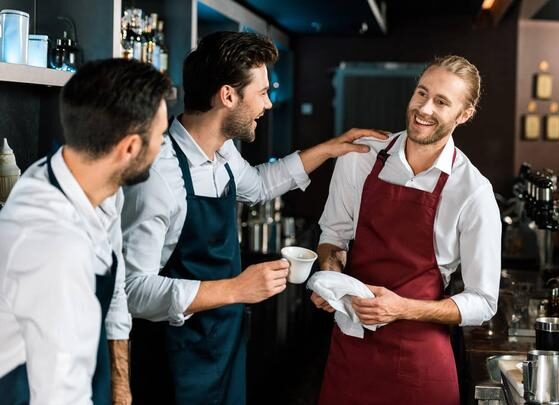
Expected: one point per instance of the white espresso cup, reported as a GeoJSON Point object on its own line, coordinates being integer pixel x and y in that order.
{"type": "Point", "coordinates": [300, 263]}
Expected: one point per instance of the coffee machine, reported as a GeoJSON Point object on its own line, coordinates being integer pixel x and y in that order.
{"type": "Point", "coordinates": [541, 206]}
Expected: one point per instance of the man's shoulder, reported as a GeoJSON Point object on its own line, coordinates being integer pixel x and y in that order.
{"type": "Point", "coordinates": [158, 194]}
{"type": "Point", "coordinates": [378, 144]}
{"type": "Point", "coordinates": [33, 243]}
{"type": "Point", "coordinates": [467, 177]}
{"type": "Point", "coordinates": [34, 201]}
{"type": "Point", "coordinates": [375, 146]}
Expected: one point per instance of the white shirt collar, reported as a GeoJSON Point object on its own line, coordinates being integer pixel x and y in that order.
{"type": "Point", "coordinates": [443, 161]}
{"type": "Point", "coordinates": [77, 197]}
{"type": "Point", "coordinates": [196, 156]}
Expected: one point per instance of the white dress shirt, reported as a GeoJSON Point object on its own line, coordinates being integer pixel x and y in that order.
{"type": "Point", "coordinates": [154, 213]}
{"type": "Point", "coordinates": [51, 247]}
{"type": "Point", "coordinates": [467, 223]}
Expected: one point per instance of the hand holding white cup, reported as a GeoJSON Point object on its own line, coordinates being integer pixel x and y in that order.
{"type": "Point", "coordinates": [300, 263]}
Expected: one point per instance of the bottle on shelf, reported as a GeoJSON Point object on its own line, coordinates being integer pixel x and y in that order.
{"type": "Point", "coordinates": [65, 54]}
{"type": "Point", "coordinates": [126, 45]}
{"type": "Point", "coordinates": [163, 53]}
{"type": "Point", "coordinates": [142, 38]}
{"type": "Point", "coordinates": [136, 33]}
{"type": "Point", "coordinates": [156, 48]}
{"type": "Point", "coordinates": [9, 171]}
{"type": "Point", "coordinates": [147, 41]}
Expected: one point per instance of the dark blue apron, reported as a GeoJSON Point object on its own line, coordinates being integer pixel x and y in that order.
{"type": "Point", "coordinates": [203, 361]}
{"type": "Point", "coordinates": [101, 384]}
{"type": "Point", "coordinates": [14, 386]}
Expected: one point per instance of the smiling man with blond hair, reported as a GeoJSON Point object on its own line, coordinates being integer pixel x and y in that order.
{"type": "Point", "coordinates": [413, 208]}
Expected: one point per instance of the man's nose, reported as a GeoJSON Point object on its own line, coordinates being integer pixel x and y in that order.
{"type": "Point", "coordinates": [267, 102]}
{"type": "Point", "coordinates": [426, 107]}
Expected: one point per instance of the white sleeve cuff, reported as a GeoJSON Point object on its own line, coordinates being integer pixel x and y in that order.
{"type": "Point", "coordinates": [341, 243]}
{"type": "Point", "coordinates": [183, 293]}
{"type": "Point", "coordinates": [474, 308]}
{"type": "Point", "coordinates": [296, 169]}
{"type": "Point", "coordinates": [118, 328]}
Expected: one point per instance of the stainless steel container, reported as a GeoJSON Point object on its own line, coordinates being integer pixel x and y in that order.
{"type": "Point", "coordinates": [14, 32]}
{"type": "Point", "coordinates": [547, 333]}
{"type": "Point", "coordinates": [38, 50]}
{"type": "Point", "coordinates": [540, 374]}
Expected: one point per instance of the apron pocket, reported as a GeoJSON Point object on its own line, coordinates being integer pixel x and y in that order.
{"type": "Point", "coordinates": [195, 332]}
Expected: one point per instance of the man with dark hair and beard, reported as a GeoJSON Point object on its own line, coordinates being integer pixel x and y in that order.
{"type": "Point", "coordinates": [63, 310]}
{"type": "Point", "coordinates": [183, 274]}
{"type": "Point", "coordinates": [414, 208]}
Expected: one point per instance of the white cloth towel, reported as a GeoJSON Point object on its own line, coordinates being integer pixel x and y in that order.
{"type": "Point", "coordinates": [337, 289]}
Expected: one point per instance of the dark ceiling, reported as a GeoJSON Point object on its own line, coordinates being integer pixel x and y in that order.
{"type": "Point", "coordinates": [348, 16]}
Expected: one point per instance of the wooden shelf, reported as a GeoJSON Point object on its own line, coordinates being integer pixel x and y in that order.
{"type": "Point", "coordinates": [11, 72]}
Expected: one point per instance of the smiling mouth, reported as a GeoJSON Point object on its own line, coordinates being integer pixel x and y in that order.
{"type": "Point", "coordinates": [424, 122]}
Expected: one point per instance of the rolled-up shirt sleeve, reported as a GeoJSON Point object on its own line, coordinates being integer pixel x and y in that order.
{"type": "Point", "coordinates": [268, 180]}
{"type": "Point", "coordinates": [148, 210]}
{"type": "Point", "coordinates": [480, 247]}
{"type": "Point", "coordinates": [337, 220]}
{"type": "Point", "coordinates": [118, 321]}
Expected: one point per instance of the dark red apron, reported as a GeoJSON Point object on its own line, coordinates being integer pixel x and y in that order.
{"type": "Point", "coordinates": [404, 362]}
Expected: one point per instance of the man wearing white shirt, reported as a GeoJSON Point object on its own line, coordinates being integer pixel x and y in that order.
{"type": "Point", "coordinates": [415, 208]}
{"type": "Point", "coordinates": [61, 268]}
{"type": "Point", "coordinates": [184, 281]}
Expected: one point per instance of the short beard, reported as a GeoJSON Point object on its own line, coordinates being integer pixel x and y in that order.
{"type": "Point", "coordinates": [440, 132]}
{"type": "Point", "coordinates": [137, 172]}
{"type": "Point", "coordinates": [130, 179]}
{"type": "Point", "coordinates": [237, 126]}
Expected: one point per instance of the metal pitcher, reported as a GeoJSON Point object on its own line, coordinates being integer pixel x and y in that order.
{"type": "Point", "coordinates": [540, 374]}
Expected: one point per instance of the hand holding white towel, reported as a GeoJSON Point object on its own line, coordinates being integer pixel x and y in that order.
{"type": "Point", "coordinates": [337, 289]}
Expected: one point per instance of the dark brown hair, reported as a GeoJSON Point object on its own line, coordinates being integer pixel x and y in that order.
{"type": "Point", "coordinates": [223, 58]}
{"type": "Point", "coordinates": [107, 100]}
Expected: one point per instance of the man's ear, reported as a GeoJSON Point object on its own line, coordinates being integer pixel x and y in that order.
{"type": "Point", "coordinates": [128, 148]}
{"type": "Point", "coordinates": [465, 115]}
{"type": "Point", "coordinates": [227, 96]}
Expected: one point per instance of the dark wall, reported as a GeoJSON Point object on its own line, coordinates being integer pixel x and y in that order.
{"type": "Point", "coordinates": [488, 140]}
{"type": "Point", "coordinates": [29, 120]}
{"type": "Point", "coordinates": [537, 42]}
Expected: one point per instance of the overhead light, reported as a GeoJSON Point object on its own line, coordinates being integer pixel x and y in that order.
{"type": "Point", "coordinates": [487, 4]}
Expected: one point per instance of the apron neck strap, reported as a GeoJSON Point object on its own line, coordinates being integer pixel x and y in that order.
{"type": "Point", "coordinates": [382, 156]}
{"type": "Point", "coordinates": [443, 177]}
{"type": "Point", "coordinates": [183, 163]}
{"type": "Point", "coordinates": [52, 178]}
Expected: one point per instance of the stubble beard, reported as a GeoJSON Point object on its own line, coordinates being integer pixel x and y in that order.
{"type": "Point", "coordinates": [238, 125]}
{"type": "Point", "coordinates": [137, 172]}
{"type": "Point", "coordinates": [440, 130]}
